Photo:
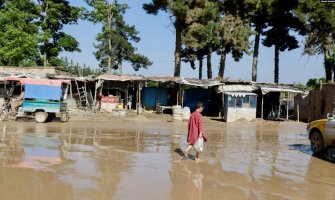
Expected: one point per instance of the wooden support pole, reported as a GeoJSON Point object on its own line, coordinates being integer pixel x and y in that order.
{"type": "Point", "coordinates": [182, 97]}
{"type": "Point", "coordinates": [262, 108]}
{"type": "Point", "coordinates": [95, 95]}
{"type": "Point", "coordinates": [287, 105]}
{"type": "Point", "coordinates": [298, 111]}
{"type": "Point", "coordinates": [222, 106]}
{"type": "Point", "coordinates": [71, 95]}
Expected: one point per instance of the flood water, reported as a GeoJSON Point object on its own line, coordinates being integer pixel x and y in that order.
{"type": "Point", "coordinates": [134, 160]}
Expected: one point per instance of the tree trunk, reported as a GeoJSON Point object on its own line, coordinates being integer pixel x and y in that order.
{"type": "Point", "coordinates": [209, 63]}
{"type": "Point", "coordinates": [45, 43]}
{"type": "Point", "coordinates": [45, 56]}
{"type": "Point", "coordinates": [109, 39]}
{"type": "Point", "coordinates": [276, 72]}
{"type": "Point", "coordinates": [255, 56]}
{"type": "Point", "coordinates": [200, 67]}
{"type": "Point", "coordinates": [177, 53]}
{"type": "Point", "coordinates": [222, 62]}
{"type": "Point", "coordinates": [327, 64]}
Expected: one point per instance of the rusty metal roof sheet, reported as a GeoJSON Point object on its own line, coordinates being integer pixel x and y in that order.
{"type": "Point", "coordinates": [112, 77]}
{"type": "Point", "coordinates": [185, 81]}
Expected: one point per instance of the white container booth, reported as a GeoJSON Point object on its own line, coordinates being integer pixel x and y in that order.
{"type": "Point", "coordinates": [239, 105]}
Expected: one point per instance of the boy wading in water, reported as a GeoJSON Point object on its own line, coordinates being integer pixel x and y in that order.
{"type": "Point", "coordinates": [195, 128]}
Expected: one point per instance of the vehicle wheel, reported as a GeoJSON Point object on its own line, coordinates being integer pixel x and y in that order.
{"type": "Point", "coordinates": [64, 117]}
{"type": "Point", "coordinates": [51, 117]}
{"type": "Point", "coordinates": [41, 117]}
{"type": "Point", "coordinates": [317, 145]}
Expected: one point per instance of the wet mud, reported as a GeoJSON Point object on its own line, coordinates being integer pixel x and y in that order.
{"type": "Point", "coordinates": [143, 160]}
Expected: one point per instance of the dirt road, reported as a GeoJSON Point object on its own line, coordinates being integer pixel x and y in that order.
{"type": "Point", "coordinates": [140, 160]}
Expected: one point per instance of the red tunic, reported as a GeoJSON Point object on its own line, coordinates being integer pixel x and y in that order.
{"type": "Point", "coordinates": [195, 127]}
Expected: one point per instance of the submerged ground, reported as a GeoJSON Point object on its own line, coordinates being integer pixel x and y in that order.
{"type": "Point", "coordinates": [139, 159]}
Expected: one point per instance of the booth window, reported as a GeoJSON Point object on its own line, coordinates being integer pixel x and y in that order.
{"type": "Point", "coordinates": [246, 103]}
{"type": "Point", "coordinates": [253, 101]}
{"type": "Point", "coordinates": [231, 101]}
{"type": "Point", "coordinates": [239, 102]}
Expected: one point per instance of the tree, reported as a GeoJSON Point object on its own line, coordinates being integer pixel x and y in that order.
{"type": "Point", "coordinates": [320, 18]}
{"type": "Point", "coordinates": [234, 31]}
{"type": "Point", "coordinates": [201, 30]}
{"type": "Point", "coordinates": [314, 83]}
{"type": "Point", "coordinates": [178, 9]}
{"type": "Point", "coordinates": [282, 21]}
{"type": "Point", "coordinates": [18, 33]}
{"type": "Point", "coordinates": [53, 16]}
{"type": "Point", "coordinates": [259, 20]}
{"type": "Point", "coordinates": [77, 69]}
{"type": "Point", "coordinates": [114, 42]}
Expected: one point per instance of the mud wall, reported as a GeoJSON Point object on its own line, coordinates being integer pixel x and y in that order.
{"type": "Point", "coordinates": [316, 104]}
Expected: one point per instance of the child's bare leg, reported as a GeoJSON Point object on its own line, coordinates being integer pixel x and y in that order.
{"type": "Point", "coordinates": [187, 149]}
{"type": "Point", "coordinates": [197, 155]}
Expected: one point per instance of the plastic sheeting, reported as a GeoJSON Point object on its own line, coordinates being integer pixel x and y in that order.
{"type": "Point", "coordinates": [240, 94]}
{"type": "Point", "coordinates": [42, 92]}
{"type": "Point", "coordinates": [266, 90]}
{"type": "Point", "coordinates": [31, 81]}
{"type": "Point", "coordinates": [234, 88]}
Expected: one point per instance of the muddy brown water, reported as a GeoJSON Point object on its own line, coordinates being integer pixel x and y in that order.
{"type": "Point", "coordinates": [137, 160]}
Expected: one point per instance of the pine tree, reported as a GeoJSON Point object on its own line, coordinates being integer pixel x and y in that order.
{"type": "Point", "coordinates": [259, 19]}
{"type": "Point", "coordinates": [282, 20]}
{"type": "Point", "coordinates": [54, 14]}
{"type": "Point", "coordinates": [114, 42]}
{"type": "Point", "coordinates": [201, 31]}
{"type": "Point", "coordinates": [18, 33]}
{"type": "Point", "coordinates": [320, 22]}
{"type": "Point", "coordinates": [234, 31]}
{"type": "Point", "coordinates": [178, 9]}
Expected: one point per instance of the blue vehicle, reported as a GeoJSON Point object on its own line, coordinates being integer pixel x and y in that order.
{"type": "Point", "coordinates": [41, 99]}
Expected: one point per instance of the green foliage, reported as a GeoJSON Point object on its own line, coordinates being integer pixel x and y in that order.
{"type": "Point", "coordinates": [282, 20]}
{"type": "Point", "coordinates": [315, 83]}
{"type": "Point", "coordinates": [54, 14]}
{"type": "Point", "coordinates": [18, 33]}
{"type": "Point", "coordinates": [201, 30]}
{"type": "Point", "coordinates": [115, 41]}
{"type": "Point", "coordinates": [311, 84]}
{"type": "Point", "coordinates": [319, 20]}
{"type": "Point", "coordinates": [77, 69]}
{"type": "Point", "coordinates": [302, 86]}
{"type": "Point", "coordinates": [178, 10]}
{"type": "Point", "coordinates": [152, 84]}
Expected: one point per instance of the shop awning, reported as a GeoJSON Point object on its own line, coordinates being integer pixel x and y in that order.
{"type": "Point", "coordinates": [266, 89]}
{"type": "Point", "coordinates": [240, 94]}
{"type": "Point", "coordinates": [234, 88]}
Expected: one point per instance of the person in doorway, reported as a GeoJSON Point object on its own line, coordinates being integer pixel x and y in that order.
{"type": "Point", "coordinates": [195, 129]}
{"type": "Point", "coordinates": [130, 99]}
{"type": "Point", "coordinates": [17, 102]}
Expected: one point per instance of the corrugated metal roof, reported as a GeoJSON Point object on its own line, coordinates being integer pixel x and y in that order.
{"type": "Point", "coordinates": [186, 81]}
{"type": "Point", "coordinates": [111, 77]}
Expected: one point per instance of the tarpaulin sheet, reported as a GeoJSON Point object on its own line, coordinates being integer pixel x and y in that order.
{"type": "Point", "coordinates": [38, 81]}
{"type": "Point", "coordinates": [43, 92]}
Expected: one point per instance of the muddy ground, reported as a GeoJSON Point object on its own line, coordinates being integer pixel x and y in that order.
{"type": "Point", "coordinates": [138, 157]}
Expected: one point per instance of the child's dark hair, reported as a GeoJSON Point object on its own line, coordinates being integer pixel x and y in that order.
{"type": "Point", "coordinates": [199, 105]}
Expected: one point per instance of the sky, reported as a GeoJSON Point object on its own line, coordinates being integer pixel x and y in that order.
{"type": "Point", "coordinates": [158, 44]}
